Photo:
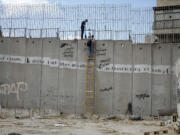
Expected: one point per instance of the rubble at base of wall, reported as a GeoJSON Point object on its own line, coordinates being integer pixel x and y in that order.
{"type": "Point", "coordinates": [37, 114]}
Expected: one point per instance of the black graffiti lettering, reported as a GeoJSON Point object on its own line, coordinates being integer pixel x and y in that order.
{"type": "Point", "coordinates": [3, 58]}
{"type": "Point", "coordinates": [142, 96]}
{"type": "Point", "coordinates": [82, 66]}
{"type": "Point", "coordinates": [105, 60]}
{"type": "Point", "coordinates": [70, 49]}
{"type": "Point", "coordinates": [68, 55]}
{"type": "Point", "coordinates": [106, 89]}
{"type": "Point", "coordinates": [63, 45]}
{"type": "Point", "coordinates": [159, 70]}
{"type": "Point", "coordinates": [101, 52]}
{"type": "Point", "coordinates": [103, 65]}
{"type": "Point", "coordinates": [73, 65]}
{"type": "Point", "coordinates": [69, 52]}
{"type": "Point", "coordinates": [27, 60]}
{"type": "Point", "coordinates": [61, 64]}
{"type": "Point", "coordinates": [107, 69]}
{"type": "Point", "coordinates": [52, 62]}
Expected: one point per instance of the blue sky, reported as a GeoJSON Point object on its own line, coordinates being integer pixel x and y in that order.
{"type": "Point", "coordinates": [124, 18]}
{"type": "Point", "coordinates": [135, 3]}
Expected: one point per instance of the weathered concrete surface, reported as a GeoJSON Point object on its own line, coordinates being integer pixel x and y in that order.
{"type": "Point", "coordinates": [68, 77]}
{"type": "Point", "coordinates": [82, 53]}
{"type": "Point", "coordinates": [16, 47]}
{"type": "Point", "coordinates": [104, 80]}
{"type": "Point", "coordinates": [161, 83]}
{"type": "Point", "coordinates": [50, 79]}
{"type": "Point", "coordinates": [33, 74]}
{"type": "Point", "coordinates": [161, 3]}
{"type": "Point", "coordinates": [4, 69]}
{"type": "Point", "coordinates": [141, 81]}
{"type": "Point", "coordinates": [176, 74]}
{"type": "Point", "coordinates": [50, 74]}
{"type": "Point", "coordinates": [122, 81]}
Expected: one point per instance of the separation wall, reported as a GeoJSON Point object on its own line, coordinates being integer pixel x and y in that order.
{"type": "Point", "coordinates": [50, 74]}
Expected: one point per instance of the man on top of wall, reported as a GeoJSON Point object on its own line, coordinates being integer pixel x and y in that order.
{"type": "Point", "coordinates": [83, 25]}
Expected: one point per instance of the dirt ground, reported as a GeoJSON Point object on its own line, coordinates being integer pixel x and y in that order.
{"type": "Point", "coordinates": [79, 125]}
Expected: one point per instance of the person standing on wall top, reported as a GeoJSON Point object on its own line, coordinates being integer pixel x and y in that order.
{"type": "Point", "coordinates": [90, 45]}
{"type": "Point", "coordinates": [83, 25]}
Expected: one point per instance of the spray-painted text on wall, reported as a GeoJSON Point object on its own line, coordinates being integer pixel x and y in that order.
{"type": "Point", "coordinates": [16, 88]}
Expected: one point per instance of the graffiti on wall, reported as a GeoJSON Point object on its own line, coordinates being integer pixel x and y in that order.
{"type": "Point", "coordinates": [16, 88]}
{"type": "Point", "coordinates": [68, 50]}
{"type": "Point", "coordinates": [142, 96]}
{"type": "Point", "coordinates": [106, 89]}
{"type": "Point", "coordinates": [105, 65]}
{"type": "Point", "coordinates": [101, 51]}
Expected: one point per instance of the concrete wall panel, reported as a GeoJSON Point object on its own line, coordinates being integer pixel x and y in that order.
{"type": "Point", "coordinates": [67, 76]}
{"type": "Point", "coordinates": [123, 78]}
{"type": "Point", "coordinates": [33, 74]}
{"type": "Point", "coordinates": [81, 76]}
{"type": "Point", "coordinates": [54, 75]}
{"type": "Point", "coordinates": [16, 47]}
{"type": "Point", "coordinates": [4, 70]}
{"type": "Point", "coordinates": [141, 80]}
{"type": "Point", "coordinates": [104, 79]}
{"type": "Point", "coordinates": [50, 78]}
{"type": "Point", "coordinates": [161, 83]}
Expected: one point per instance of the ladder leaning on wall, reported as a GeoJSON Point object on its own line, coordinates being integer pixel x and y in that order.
{"type": "Point", "coordinates": [90, 85]}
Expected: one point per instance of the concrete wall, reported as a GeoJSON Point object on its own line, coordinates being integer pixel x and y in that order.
{"type": "Point", "coordinates": [167, 2]}
{"type": "Point", "coordinates": [50, 74]}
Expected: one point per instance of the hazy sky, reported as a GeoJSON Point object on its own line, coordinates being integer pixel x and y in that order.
{"type": "Point", "coordinates": [135, 3]}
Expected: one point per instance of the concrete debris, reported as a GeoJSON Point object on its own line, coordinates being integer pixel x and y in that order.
{"type": "Point", "coordinates": [162, 123]}
{"type": "Point", "coordinates": [86, 124]}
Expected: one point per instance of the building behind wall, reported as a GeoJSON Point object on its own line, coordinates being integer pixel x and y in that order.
{"type": "Point", "coordinates": [167, 21]}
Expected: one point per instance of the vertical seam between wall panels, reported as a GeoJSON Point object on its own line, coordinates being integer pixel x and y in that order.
{"type": "Point", "coordinates": [58, 85]}
{"type": "Point", "coordinates": [76, 91]}
{"type": "Point", "coordinates": [62, 98]}
{"type": "Point", "coordinates": [41, 58]}
{"type": "Point", "coordinates": [113, 96]}
{"type": "Point", "coordinates": [132, 81]}
{"type": "Point", "coordinates": [42, 49]}
{"type": "Point", "coordinates": [25, 64]}
{"type": "Point", "coordinates": [151, 73]}
{"type": "Point", "coordinates": [95, 75]}
{"type": "Point", "coordinates": [7, 104]}
{"type": "Point", "coordinates": [171, 59]}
